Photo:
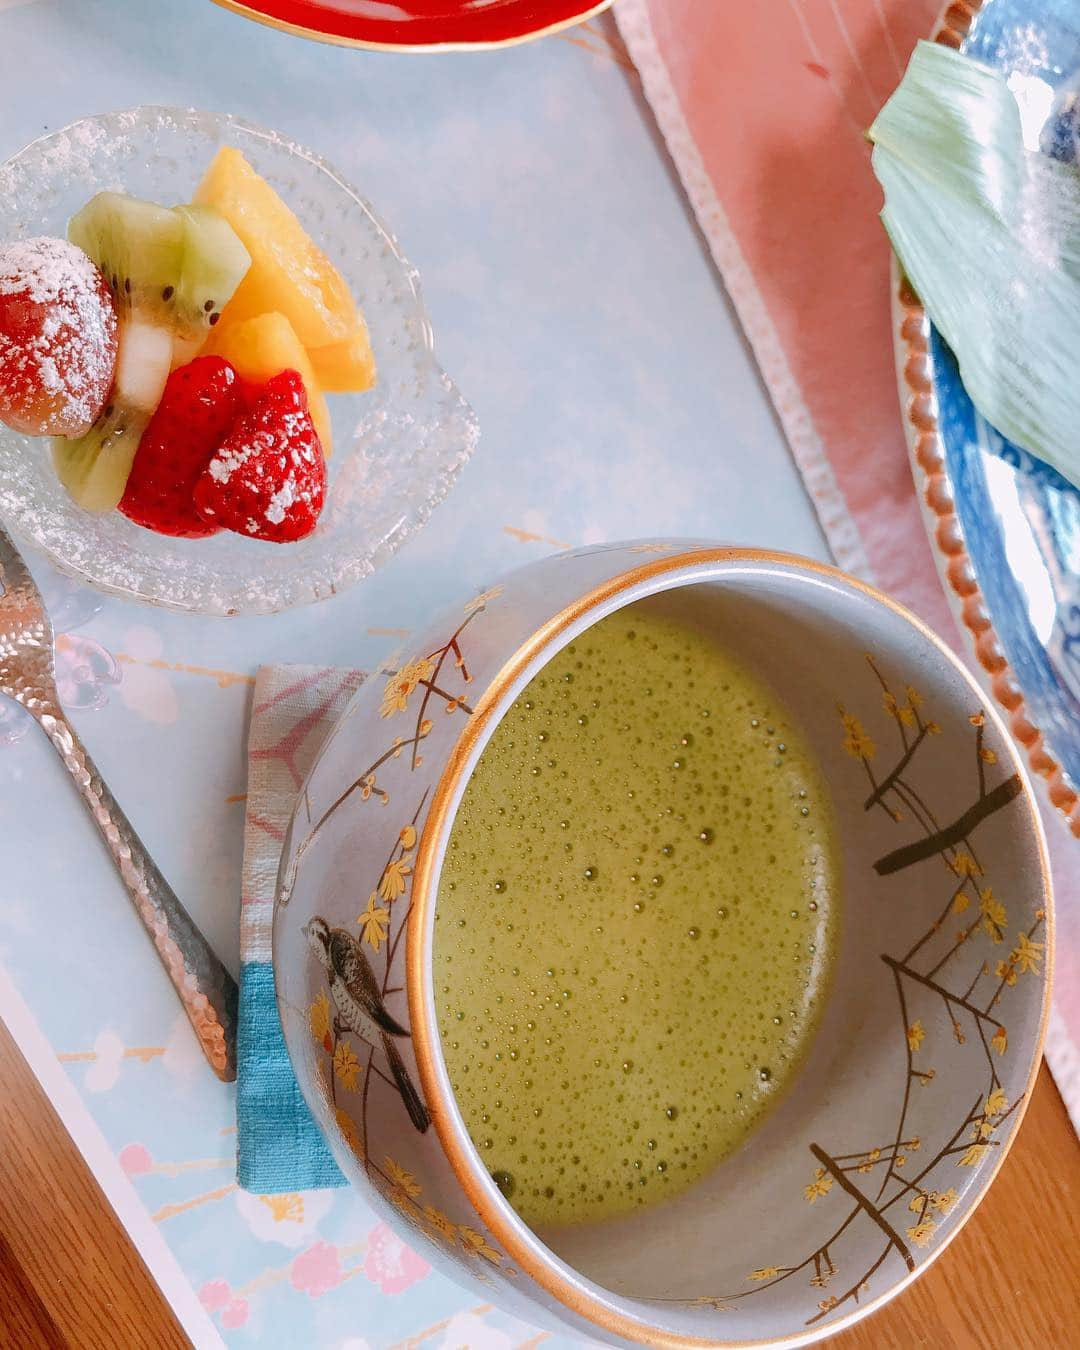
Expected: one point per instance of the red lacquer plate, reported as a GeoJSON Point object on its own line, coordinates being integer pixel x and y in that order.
{"type": "Point", "coordinates": [418, 25]}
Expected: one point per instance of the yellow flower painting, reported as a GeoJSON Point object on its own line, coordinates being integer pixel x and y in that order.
{"type": "Point", "coordinates": [440, 1222]}
{"type": "Point", "coordinates": [903, 712]}
{"type": "Point", "coordinates": [393, 880]}
{"type": "Point", "coordinates": [997, 1102]}
{"type": "Point", "coordinates": [319, 1018]}
{"type": "Point", "coordinates": [1026, 955]}
{"type": "Point", "coordinates": [856, 741]}
{"type": "Point", "coordinates": [477, 1245]}
{"type": "Point", "coordinates": [400, 687]}
{"type": "Point", "coordinates": [964, 865]}
{"type": "Point", "coordinates": [821, 1185]}
{"type": "Point", "coordinates": [922, 1232]}
{"type": "Point", "coordinates": [346, 1066]}
{"type": "Point", "coordinates": [995, 919]}
{"type": "Point", "coordinates": [403, 1180]}
{"type": "Point", "coordinates": [374, 923]}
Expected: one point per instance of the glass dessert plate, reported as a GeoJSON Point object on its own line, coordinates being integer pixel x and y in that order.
{"type": "Point", "coordinates": [397, 448]}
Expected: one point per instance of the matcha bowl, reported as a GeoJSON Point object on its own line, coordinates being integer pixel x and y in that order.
{"type": "Point", "coordinates": [929, 1037]}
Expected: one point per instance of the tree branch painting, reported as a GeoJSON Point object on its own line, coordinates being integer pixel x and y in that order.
{"type": "Point", "coordinates": [907, 1206]}
{"type": "Point", "coordinates": [349, 1071]}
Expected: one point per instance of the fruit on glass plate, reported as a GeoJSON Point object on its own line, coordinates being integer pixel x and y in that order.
{"type": "Point", "coordinates": [171, 271]}
{"type": "Point", "coordinates": [268, 478]}
{"type": "Point", "coordinates": [289, 274]}
{"type": "Point", "coordinates": [261, 348]}
{"type": "Point", "coordinates": [179, 357]}
{"type": "Point", "coordinates": [199, 406]}
{"type": "Point", "coordinates": [57, 338]}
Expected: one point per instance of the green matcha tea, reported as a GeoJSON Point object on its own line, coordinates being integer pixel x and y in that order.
{"type": "Point", "coordinates": [635, 921]}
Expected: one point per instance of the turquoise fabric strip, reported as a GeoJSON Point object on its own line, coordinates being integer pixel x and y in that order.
{"type": "Point", "coordinates": [279, 1146]}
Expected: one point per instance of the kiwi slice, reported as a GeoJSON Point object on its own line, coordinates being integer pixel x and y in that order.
{"type": "Point", "coordinates": [175, 267]}
{"type": "Point", "coordinates": [95, 467]}
{"type": "Point", "coordinates": [171, 271]}
{"type": "Point", "coordinates": [215, 262]}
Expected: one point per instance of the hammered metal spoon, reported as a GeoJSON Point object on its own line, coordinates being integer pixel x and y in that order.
{"type": "Point", "coordinates": [206, 989]}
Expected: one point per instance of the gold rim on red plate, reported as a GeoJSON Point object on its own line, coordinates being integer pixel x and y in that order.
{"type": "Point", "coordinates": [589, 11]}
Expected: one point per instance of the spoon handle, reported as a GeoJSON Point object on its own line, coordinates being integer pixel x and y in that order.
{"type": "Point", "coordinates": [206, 989]}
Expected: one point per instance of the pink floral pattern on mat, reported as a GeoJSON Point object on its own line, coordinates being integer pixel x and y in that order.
{"type": "Point", "coordinates": [235, 1313]}
{"type": "Point", "coordinates": [316, 1271]}
{"type": "Point", "coordinates": [763, 108]}
{"type": "Point", "coordinates": [390, 1264]}
{"type": "Point", "coordinates": [135, 1159]}
{"type": "Point", "coordinates": [215, 1295]}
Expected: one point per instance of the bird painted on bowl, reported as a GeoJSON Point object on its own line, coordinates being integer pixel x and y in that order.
{"type": "Point", "coordinates": [360, 1006]}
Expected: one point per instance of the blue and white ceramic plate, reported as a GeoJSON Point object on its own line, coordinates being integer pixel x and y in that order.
{"type": "Point", "coordinates": [1005, 527]}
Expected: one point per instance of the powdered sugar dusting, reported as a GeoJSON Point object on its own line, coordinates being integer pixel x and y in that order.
{"type": "Point", "coordinates": [268, 479]}
{"type": "Point", "coordinates": [229, 458]}
{"type": "Point", "coordinates": [55, 367]}
{"type": "Point", "coordinates": [281, 501]}
{"type": "Point", "coordinates": [49, 375]}
{"type": "Point", "coordinates": [45, 269]}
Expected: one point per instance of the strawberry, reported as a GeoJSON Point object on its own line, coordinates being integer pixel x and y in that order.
{"type": "Point", "coordinates": [200, 403]}
{"type": "Point", "coordinates": [267, 480]}
{"type": "Point", "coordinates": [57, 338]}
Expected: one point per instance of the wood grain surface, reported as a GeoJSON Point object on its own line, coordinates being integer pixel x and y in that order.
{"type": "Point", "coordinates": [69, 1276]}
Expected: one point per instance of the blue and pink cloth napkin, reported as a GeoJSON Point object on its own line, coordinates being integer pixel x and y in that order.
{"type": "Point", "coordinates": [279, 1146]}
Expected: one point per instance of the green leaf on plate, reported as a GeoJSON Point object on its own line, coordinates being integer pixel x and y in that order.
{"type": "Point", "coordinates": [989, 236]}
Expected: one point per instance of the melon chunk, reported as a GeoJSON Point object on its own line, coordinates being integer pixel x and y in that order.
{"type": "Point", "coordinates": [289, 273]}
{"type": "Point", "coordinates": [263, 347]}
{"type": "Point", "coordinates": [345, 367]}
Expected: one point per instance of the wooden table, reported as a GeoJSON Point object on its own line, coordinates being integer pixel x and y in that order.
{"type": "Point", "coordinates": [69, 1276]}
